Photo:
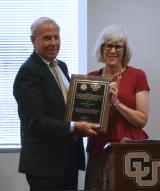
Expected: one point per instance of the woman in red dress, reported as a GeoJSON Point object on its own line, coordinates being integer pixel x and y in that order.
{"type": "Point", "coordinates": [129, 91]}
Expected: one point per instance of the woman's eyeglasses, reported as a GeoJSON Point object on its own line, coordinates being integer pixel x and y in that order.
{"type": "Point", "coordinates": [117, 47]}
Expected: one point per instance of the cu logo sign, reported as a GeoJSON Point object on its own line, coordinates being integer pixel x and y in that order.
{"type": "Point", "coordinates": [142, 168]}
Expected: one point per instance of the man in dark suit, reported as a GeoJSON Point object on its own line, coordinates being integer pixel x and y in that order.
{"type": "Point", "coordinates": [50, 155]}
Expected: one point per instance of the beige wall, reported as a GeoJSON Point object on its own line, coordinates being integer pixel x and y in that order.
{"type": "Point", "coordinates": [10, 179]}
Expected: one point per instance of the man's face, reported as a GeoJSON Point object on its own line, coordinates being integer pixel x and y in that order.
{"type": "Point", "coordinates": [47, 41]}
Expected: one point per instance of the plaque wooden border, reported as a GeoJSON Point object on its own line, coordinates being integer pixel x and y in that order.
{"type": "Point", "coordinates": [71, 98]}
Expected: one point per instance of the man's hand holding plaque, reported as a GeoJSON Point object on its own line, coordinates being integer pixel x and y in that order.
{"type": "Point", "coordinates": [88, 103]}
{"type": "Point", "coordinates": [85, 129]}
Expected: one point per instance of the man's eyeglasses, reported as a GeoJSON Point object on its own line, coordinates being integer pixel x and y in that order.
{"type": "Point", "coordinates": [117, 47]}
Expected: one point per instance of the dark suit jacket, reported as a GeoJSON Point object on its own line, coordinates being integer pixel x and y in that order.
{"type": "Point", "coordinates": [47, 145]}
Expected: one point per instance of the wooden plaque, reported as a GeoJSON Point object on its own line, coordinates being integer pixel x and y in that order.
{"type": "Point", "coordinates": [88, 100]}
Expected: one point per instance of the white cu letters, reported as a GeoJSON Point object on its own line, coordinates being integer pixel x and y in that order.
{"type": "Point", "coordinates": [144, 170]}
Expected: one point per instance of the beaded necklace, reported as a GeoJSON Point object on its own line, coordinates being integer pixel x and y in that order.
{"type": "Point", "coordinates": [115, 77]}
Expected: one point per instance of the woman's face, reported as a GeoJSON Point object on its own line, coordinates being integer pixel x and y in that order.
{"type": "Point", "coordinates": [113, 53]}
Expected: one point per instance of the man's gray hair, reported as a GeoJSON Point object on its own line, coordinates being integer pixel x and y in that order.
{"type": "Point", "coordinates": [40, 21]}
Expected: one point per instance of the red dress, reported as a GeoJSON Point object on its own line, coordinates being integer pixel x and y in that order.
{"type": "Point", "coordinates": [132, 81]}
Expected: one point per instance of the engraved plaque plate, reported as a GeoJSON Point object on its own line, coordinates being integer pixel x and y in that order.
{"type": "Point", "coordinates": [88, 100]}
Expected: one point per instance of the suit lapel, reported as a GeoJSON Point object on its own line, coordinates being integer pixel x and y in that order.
{"type": "Point", "coordinates": [63, 70]}
{"type": "Point", "coordinates": [45, 71]}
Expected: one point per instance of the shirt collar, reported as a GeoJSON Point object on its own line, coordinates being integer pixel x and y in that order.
{"type": "Point", "coordinates": [48, 63]}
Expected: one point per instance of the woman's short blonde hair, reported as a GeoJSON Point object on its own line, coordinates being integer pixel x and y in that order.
{"type": "Point", "coordinates": [113, 34]}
